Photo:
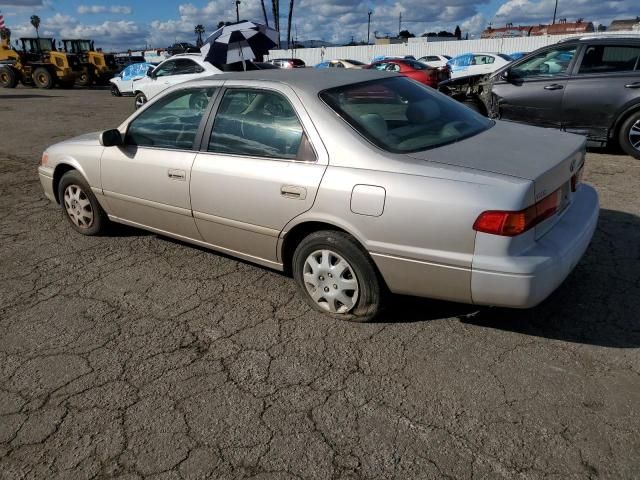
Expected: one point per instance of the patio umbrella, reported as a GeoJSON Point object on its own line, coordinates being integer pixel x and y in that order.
{"type": "Point", "coordinates": [239, 42]}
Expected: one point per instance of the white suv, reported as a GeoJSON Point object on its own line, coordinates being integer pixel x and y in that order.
{"type": "Point", "coordinates": [177, 69]}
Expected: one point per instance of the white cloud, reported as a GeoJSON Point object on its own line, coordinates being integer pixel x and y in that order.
{"type": "Point", "coordinates": [96, 9]}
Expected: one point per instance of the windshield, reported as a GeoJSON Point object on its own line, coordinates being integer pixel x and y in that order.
{"type": "Point", "coordinates": [355, 62]}
{"type": "Point", "coordinates": [83, 45]}
{"type": "Point", "coordinates": [402, 116]}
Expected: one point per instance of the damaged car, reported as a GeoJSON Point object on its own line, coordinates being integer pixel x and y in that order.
{"type": "Point", "coordinates": [589, 86]}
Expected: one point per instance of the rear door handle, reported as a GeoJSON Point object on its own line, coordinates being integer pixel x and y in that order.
{"type": "Point", "coordinates": [553, 86]}
{"type": "Point", "coordinates": [293, 191]}
{"type": "Point", "coordinates": [632, 85]}
{"type": "Point", "coordinates": [176, 174]}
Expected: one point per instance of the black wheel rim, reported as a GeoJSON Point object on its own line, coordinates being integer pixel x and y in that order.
{"type": "Point", "coordinates": [634, 135]}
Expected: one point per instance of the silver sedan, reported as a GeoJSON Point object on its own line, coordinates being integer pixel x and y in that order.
{"type": "Point", "coordinates": [357, 183]}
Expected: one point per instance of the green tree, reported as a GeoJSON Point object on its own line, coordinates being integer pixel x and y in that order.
{"type": "Point", "coordinates": [457, 32]}
{"type": "Point", "coordinates": [199, 30]}
{"type": "Point", "coordinates": [406, 34]}
{"type": "Point", "coordinates": [35, 21]}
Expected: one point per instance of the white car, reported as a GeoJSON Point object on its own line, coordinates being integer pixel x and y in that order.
{"type": "Point", "coordinates": [435, 61]}
{"type": "Point", "coordinates": [477, 63]}
{"type": "Point", "coordinates": [122, 84]}
{"type": "Point", "coordinates": [177, 69]}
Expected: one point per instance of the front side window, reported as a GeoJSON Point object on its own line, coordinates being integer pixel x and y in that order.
{"type": "Point", "coordinates": [401, 116]}
{"type": "Point", "coordinates": [548, 63]}
{"type": "Point", "coordinates": [610, 58]}
{"type": "Point", "coordinates": [258, 123]}
{"type": "Point", "coordinates": [171, 122]}
{"type": "Point", "coordinates": [166, 69]}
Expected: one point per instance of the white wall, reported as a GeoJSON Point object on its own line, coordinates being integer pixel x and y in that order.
{"type": "Point", "coordinates": [312, 56]}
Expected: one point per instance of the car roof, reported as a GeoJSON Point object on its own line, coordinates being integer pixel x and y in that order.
{"type": "Point", "coordinates": [604, 39]}
{"type": "Point", "coordinates": [309, 80]}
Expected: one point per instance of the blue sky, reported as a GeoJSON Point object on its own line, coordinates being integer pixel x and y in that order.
{"type": "Point", "coordinates": [157, 23]}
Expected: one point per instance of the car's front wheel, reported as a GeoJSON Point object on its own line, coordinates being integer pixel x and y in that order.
{"type": "Point", "coordinates": [337, 277]}
{"type": "Point", "coordinates": [80, 204]}
{"type": "Point", "coordinates": [114, 90]}
{"type": "Point", "coordinates": [141, 99]}
{"type": "Point", "coordinates": [629, 137]}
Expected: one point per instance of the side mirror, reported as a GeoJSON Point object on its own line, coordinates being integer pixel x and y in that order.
{"type": "Point", "coordinates": [150, 72]}
{"type": "Point", "coordinates": [506, 75]}
{"type": "Point", "coordinates": [111, 138]}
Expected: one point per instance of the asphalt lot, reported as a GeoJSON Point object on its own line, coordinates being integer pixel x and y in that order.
{"type": "Point", "coordinates": [135, 356]}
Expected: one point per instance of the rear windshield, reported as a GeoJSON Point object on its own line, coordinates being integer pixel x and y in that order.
{"type": "Point", "coordinates": [354, 62]}
{"type": "Point", "coordinates": [403, 116]}
{"type": "Point", "coordinates": [505, 57]}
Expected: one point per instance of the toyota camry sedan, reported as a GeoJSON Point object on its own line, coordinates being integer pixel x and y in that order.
{"type": "Point", "coordinates": [356, 183]}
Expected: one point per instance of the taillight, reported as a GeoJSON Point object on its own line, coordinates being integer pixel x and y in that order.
{"type": "Point", "coordinates": [510, 224]}
{"type": "Point", "coordinates": [576, 179]}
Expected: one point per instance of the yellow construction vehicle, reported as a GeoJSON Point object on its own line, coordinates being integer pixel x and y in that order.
{"type": "Point", "coordinates": [37, 63]}
{"type": "Point", "coordinates": [98, 67]}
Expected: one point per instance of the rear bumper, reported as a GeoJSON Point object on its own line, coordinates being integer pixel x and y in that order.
{"type": "Point", "coordinates": [526, 279]}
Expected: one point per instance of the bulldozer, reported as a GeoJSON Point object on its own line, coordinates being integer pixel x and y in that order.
{"type": "Point", "coordinates": [98, 67]}
{"type": "Point", "coordinates": [37, 63]}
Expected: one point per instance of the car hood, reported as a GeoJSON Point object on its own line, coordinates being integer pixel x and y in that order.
{"type": "Point", "coordinates": [510, 149]}
{"type": "Point", "coordinates": [92, 138]}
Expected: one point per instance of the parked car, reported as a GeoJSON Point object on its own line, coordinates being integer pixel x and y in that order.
{"type": "Point", "coordinates": [182, 47]}
{"type": "Point", "coordinates": [517, 55]}
{"type": "Point", "coordinates": [476, 63]}
{"type": "Point", "coordinates": [125, 61]}
{"type": "Point", "coordinates": [287, 62]}
{"type": "Point", "coordinates": [293, 171]}
{"type": "Point", "coordinates": [379, 58]}
{"type": "Point", "coordinates": [435, 60]}
{"type": "Point", "coordinates": [122, 84]}
{"type": "Point", "coordinates": [177, 69]}
{"type": "Point", "coordinates": [589, 86]}
{"type": "Point", "coordinates": [413, 69]}
{"type": "Point", "coordinates": [341, 63]}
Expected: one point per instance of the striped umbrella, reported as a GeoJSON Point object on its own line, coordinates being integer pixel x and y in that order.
{"type": "Point", "coordinates": [239, 42]}
{"type": "Point", "coordinates": [1, 20]}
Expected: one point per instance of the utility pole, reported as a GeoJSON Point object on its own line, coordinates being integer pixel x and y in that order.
{"type": "Point", "coordinates": [237, 10]}
{"type": "Point", "coordinates": [399, 23]}
{"type": "Point", "coordinates": [554, 13]}
{"type": "Point", "coordinates": [369, 26]}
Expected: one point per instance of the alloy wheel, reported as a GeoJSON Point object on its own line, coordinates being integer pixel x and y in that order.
{"type": "Point", "coordinates": [330, 281]}
{"type": "Point", "coordinates": [78, 206]}
{"type": "Point", "coordinates": [634, 135]}
{"type": "Point", "coordinates": [140, 101]}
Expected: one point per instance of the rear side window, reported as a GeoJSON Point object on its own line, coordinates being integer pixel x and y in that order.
{"type": "Point", "coordinates": [610, 58]}
{"type": "Point", "coordinates": [258, 123]}
{"type": "Point", "coordinates": [172, 122]}
{"type": "Point", "coordinates": [415, 64]}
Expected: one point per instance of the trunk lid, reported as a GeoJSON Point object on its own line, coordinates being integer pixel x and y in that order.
{"type": "Point", "coordinates": [548, 158]}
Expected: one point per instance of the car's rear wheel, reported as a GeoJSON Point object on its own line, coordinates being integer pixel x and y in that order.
{"type": "Point", "coordinates": [80, 204]}
{"type": "Point", "coordinates": [141, 99]}
{"type": "Point", "coordinates": [337, 277]}
{"type": "Point", "coordinates": [629, 136]}
{"type": "Point", "coordinates": [114, 91]}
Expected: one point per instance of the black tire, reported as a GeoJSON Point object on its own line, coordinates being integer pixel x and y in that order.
{"type": "Point", "coordinates": [42, 78]}
{"type": "Point", "coordinates": [114, 91]}
{"type": "Point", "coordinates": [85, 79]}
{"type": "Point", "coordinates": [82, 192]}
{"type": "Point", "coordinates": [370, 285]}
{"type": "Point", "coordinates": [8, 77]}
{"type": "Point", "coordinates": [140, 100]}
{"type": "Point", "coordinates": [629, 135]}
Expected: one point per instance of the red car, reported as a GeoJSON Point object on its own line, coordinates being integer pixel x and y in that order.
{"type": "Point", "coordinates": [418, 71]}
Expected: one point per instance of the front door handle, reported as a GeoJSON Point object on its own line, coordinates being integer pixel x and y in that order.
{"type": "Point", "coordinates": [632, 85]}
{"type": "Point", "coordinates": [293, 191]}
{"type": "Point", "coordinates": [553, 86]}
{"type": "Point", "coordinates": [176, 174]}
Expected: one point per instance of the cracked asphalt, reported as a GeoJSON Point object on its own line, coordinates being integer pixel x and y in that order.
{"type": "Point", "coordinates": [135, 356]}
